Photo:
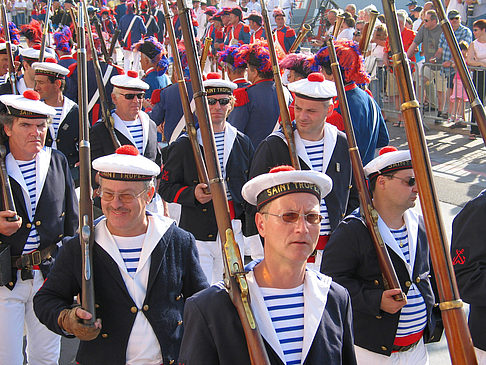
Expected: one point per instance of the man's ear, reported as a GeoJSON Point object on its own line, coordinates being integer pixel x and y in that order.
{"type": "Point", "coordinates": [260, 223]}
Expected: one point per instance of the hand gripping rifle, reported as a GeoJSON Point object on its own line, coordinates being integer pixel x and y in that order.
{"type": "Point", "coordinates": [476, 104]}
{"type": "Point", "coordinates": [368, 212]}
{"type": "Point", "coordinates": [282, 103]}
{"type": "Point", "coordinates": [234, 273]}
{"type": "Point", "coordinates": [458, 337]}
{"type": "Point", "coordinates": [45, 32]}
{"type": "Point", "coordinates": [186, 105]}
{"type": "Point", "coordinates": [86, 229]}
{"type": "Point", "coordinates": [104, 106]}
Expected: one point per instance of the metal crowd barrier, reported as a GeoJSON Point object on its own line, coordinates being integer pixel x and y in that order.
{"type": "Point", "coordinates": [434, 89]}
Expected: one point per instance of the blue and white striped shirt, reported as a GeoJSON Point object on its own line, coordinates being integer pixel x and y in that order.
{"type": "Point", "coordinates": [28, 169]}
{"type": "Point", "coordinates": [286, 310]}
{"type": "Point", "coordinates": [130, 249]}
{"type": "Point", "coordinates": [413, 316]}
{"type": "Point", "coordinates": [315, 151]}
{"type": "Point", "coordinates": [56, 121]}
{"type": "Point", "coordinates": [219, 139]}
{"type": "Point", "coordinates": [136, 131]}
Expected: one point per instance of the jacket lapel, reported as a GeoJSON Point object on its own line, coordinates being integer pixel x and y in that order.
{"type": "Point", "coordinates": [157, 256]}
{"type": "Point", "coordinates": [229, 140]}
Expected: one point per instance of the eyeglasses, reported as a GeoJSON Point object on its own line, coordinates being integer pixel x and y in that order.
{"type": "Point", "coordinates": [140, 96]}
{"type": "Point", "coordinates": [410, 181]}
{"type": "Point", "coordinates": [293, 217]}
{"type": "Point", "coordinates": [108, 196]}
{"type": "Point", "coordinates": [222, 101]}
{"type": "Point", "coordinates": [427, 20]}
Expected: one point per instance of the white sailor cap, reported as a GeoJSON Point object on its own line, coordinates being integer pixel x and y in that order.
{"type": "Point", "coordinates": [50, 68]}
{"type": "Point", "coordinates": [314, 87]}
{"type": "Point", "coordinates": [214, 85]}
{"type": "Point", "coordinates": [27, 105]}
{"type": "Point", "coordinates": [283, 180]}
{"type": "Point", "coordinates": [389, 160]}
{"type": "Point", "coordinates": [3, 47]}
{"type": "Point", "coordinates": [129, 81]}
{"type": "Point", "coordinates": [126, 164]}
{"type": "Point", "coordinates": [34, 53]}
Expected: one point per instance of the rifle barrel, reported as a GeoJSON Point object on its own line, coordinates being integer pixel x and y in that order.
{"type": "Point", "coordinates": [8, 46]}
{"type": "Point", "coordinates": [458, 337]}
{"type": "Point", "coordinates": [45, 32]}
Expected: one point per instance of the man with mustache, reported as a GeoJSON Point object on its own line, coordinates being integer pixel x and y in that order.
{"type": "Point", "coordinates": [144, 267]}
{"type": "Point", "coordinates": [304, 317]}
{"type": "Point", "coordinates": [47, 207]}
{"type": "Point", "coordinates": [387, 331]}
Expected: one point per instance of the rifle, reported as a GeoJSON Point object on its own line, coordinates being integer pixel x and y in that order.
{"type": "Point", "coordinates": [186, 105]}
{"type": "Point", "coordinates": [337, 26]}
{"type": "Point", "coordinates": [97, 26]}
{"type": "Point", "coordinates": [457, 332]}
{"type": "Point", "coordinates": [368, 212]}
{"type": "Point", "coordinates": [104, 106]}
{"type": "Point", "coordinates": [286, 123]}
{"type": "Point", "coordinates": [45, 32]}
{"type": "Point", "coordinates": [364, 42]}
{"type": "Point", "coordinates": [205, 52]}
{"type": "Point", "coordinates": [86, 229]}
{"type": "Point", "coordinates": [476, 104]}
{"type": "Point", "coordinates": [234, 273]}
{"type": "Point", "coordinates": [113, 43]}
{"type": "Point", "coordinates": [8, 46]}
{"type": "Point", "coordinates": [300, 37]}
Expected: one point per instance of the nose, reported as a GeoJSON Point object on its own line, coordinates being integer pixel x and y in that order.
{"type": "Point", "coordinates": [301, 225]}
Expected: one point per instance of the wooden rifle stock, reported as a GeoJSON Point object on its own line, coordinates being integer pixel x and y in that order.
{"type": "Point", "coordinates": [7, 197]}
{"type": "Point", "coordinates": [300, 37]}
{"type": "Point", "coordinates": [234, 274]}
{"type": "Point", "coordinates": [45, 32]}
{"type": "Point", "coordinates": [459, 340]}
{"type": "Point", "coordinates": [367, 33]}
{"type": "Point", "coordinates": [8, 46]}
{"type": "Point", "coordinates": [368, 212]}
{"type": "Point", "coordinates": [207, 46]}
{"type": "Point", "coordinates": [337, 26]}
{"type": "Point", "coordinates": [476, 104]}
{"type": "Point", "coordinates": [86, 228]}
{"type": "Point", "coordinates": [286, 123]}
{"type": "Point", "coordinates": [104, 107]}
{"type": "Point", "coordinates": [186, 105]}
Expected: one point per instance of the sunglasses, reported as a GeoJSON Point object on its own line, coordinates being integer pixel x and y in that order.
{"type": "Point", "coordinates": [409, 181]}
{"type": "Point", "coordinates": [222, 101]}
{"type": "Point", "coordinates": [108, 196]}
{"type": "Point", "coordinates": [140, 96]}
{"type": "Point", "coordinates": [293, 217]}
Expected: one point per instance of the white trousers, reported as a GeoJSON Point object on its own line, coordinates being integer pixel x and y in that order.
{"type": "Point", "coordinates": [17, 312]}
{"type": "Point", "coordinates": [131, 60]}
{"type": "Point", "coordinates": [415, 356]}
{"type": "Point", "coordinates": [211, 255]}
{"type": "Point", "coordinates": [481, 356]}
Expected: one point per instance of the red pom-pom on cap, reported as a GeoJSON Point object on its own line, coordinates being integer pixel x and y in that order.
{"type": "Point", "coordinates": [133, 74]}
{"type": "Point", "coordinates": [31, 95]}
{"type": "Point", "coordinates": [281, 168]}
{"type": "Point", "coordinates": [127, 149]}
{"type": "Point", "coordinates": [387, 149]}
{"type": "Point", "coordinates": [50, 60]}
{"type": "Point", "coordinates": [316, 77]}
{"type": "Point", "coordinates": [213, 76]}
{"type": "Point", "coordinates": [36, 46]}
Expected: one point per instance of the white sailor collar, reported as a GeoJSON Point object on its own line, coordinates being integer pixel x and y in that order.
{"type": "Point", "coordinates": [120, 126]}
{"type": "Point", "coordinates": [230, 133]}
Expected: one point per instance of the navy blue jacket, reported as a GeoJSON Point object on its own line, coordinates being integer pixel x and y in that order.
{"type": "Point", "coordinates": [136, 33]}
{"type": "Point", "coordinates": [169, 109]}
{"type": "Point", "coordinates": [174, 275]}
{"type": "Point", "coordinates": [350, 259]}
{"type": "Point", "coordinates": [214, 335]}
{"type": "Point", "coordinates": [120, 11]}
{"type": "Point", "coordinates": [56, 214]}
{"type": "Point", "coordinates": [257, 118]}
{"type": "Point", "coordinates": [179, 179]}
{"type": "Point", "coordinates": [468, 253]}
